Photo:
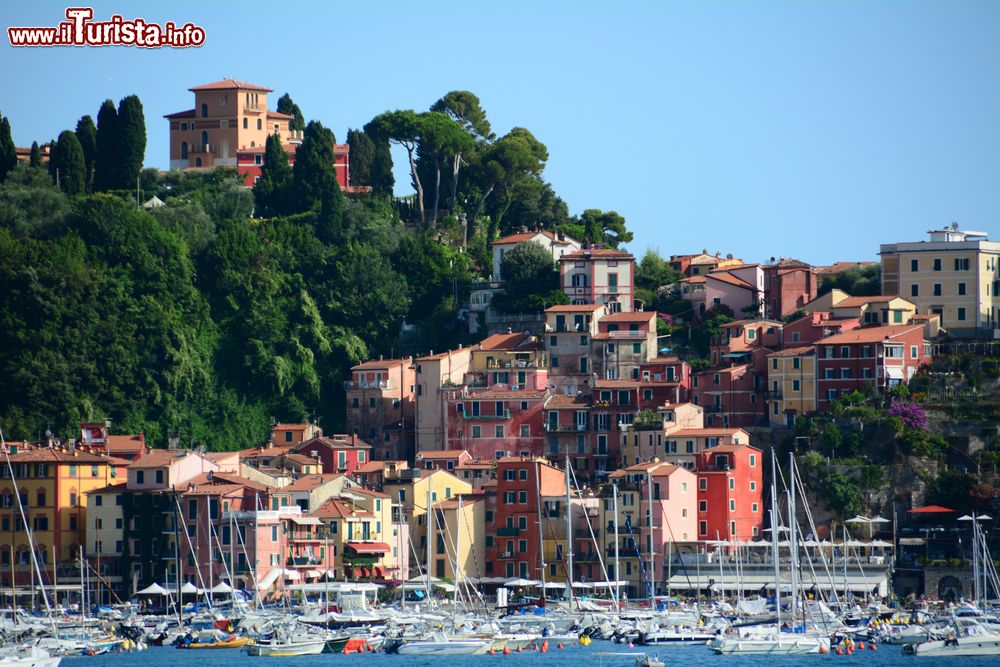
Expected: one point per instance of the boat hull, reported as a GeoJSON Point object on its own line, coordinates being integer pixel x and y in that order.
{"type": "Point", "coordinates": [963, 646]}
{"type": "Point", "coordinates": [288, 650]}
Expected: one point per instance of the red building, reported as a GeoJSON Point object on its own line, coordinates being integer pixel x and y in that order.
{"type": "Point", "coordinates": [788, 285]}
{"type": "Point", "coordinates": [815, 326]}
{"type": "Point", "coordinates": [730, 492]}
{"type": "Point", "coordinates": [730, 396]}
{"type": "Point", "coordinates": [664, 379]}
{"type": "Point", "coordinates": [495, 422]}
{"type": "Point", "coordinates": [870, 357]}
{"type": "Point", "coordinates": [381, 406]}
{"type": "Point", "coordinates": [338, 453]}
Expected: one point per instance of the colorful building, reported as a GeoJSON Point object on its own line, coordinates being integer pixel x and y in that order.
{"type": "Point", "coordinates": [730, 493]}
{"type": "Point", "coordinates": [601, 276]}
{"type": "Point", "coordinates": [556, 244]}
{"type": "Point", "coordinates": [381, 406]}
{"type": "Point", "coordinates": [435, 374]}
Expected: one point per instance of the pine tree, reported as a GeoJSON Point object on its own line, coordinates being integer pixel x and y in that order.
{"type": "Point", "coordinates": [8, 152]}
{"type": "Point", "coordinates": [131, 142]}
{"type": "Point", "coordinates": [86, 132]}
{"type": "Point", "coordinates": [69, 164]}
{"type": "Point", "coordinates": [272, 190]}
{"type": "Point", "coordinates": [286, 105]}
{"type": "Point", "coordinates": [36, 155]}
{"type": "Point", "coordinates": [106, 159]}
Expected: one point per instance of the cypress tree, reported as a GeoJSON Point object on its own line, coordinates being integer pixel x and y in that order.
{"type": "Point", "coordinates": [271, 192]}
{"type": "Point", "coordinates": [69, 164]}
{"type": "Point", "coordinates": [86, 132]}
{"type": "Point", "coordinates": [106, 159]}
{"type": "Point", "coordinates": [8, 152]}
{"type": "Point", "coordinates": [361, 157]}
{"type": "Point", "coordinates": [286, 105]}
{"type": "Point", "coordinates": [36, 155]}
{"type": "Point", "coordinates": [131, 141]}
{"type": "Point", "coordinates": [313, 173]}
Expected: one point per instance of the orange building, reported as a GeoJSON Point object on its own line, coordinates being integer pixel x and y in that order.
{"type": "Point", "coordinates": [229, 126]}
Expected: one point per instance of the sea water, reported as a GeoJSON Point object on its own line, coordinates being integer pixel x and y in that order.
{"type": "Point", "coordinates": [572, 656]}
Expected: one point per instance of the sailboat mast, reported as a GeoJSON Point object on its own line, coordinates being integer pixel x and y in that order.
{"type": "Point", "coordinates": [792, 530]}
{"type": "Point", "coordinates": [649, 523]}
{"type": "Point", "coordinates": [430, 536]}
{"type": "Point", "coordinates": [541, 532]}
{"type": "Point", "coordinates": [569, 539]}
{"type": "Point", "coordinates": [618, 565]}
{"type": "Point", "coordinates": [458, 564]}
{"type": "Point", "coordinates": [775, 522]}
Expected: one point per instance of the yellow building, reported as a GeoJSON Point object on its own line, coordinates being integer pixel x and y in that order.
{"type": "Point", "coordinates": [955, 275]}
{"type": "Point", "coordinates": [411, 492]}
{"type": "Point", "coordinates": [462, 532]}
{"type": "Point", "coordinates": [53, 484]}
{"type": "Point", "coordinates": [791, 391]}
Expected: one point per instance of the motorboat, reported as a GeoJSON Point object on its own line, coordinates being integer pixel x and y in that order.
{"type": "Point", "coordinates": [971, 639]}
{"type": "Point", "coordinates": [28, 656]}
{"type": "Point", "coordinates": [287, 647]}
{"type": "Point", "coordinates": [439, 644]}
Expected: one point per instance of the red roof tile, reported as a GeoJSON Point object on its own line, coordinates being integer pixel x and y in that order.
{"type": "Point", "coordinates": [870, 334]}
{"type": "Point", "coordinates": [229, 84]}
{"type": "Point", "coordinates": [441, 454]}
{"type": "Point", "coordinates": [574, 308]}
{"type": "Point", "coordinates": [636, 316]}
{"type": "Point", "coordinates": [380, 364]}
{"type": "Point", "coordinates": [597, 253]}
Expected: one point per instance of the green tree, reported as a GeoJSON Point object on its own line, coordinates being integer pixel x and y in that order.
{"type": "Point", "coordinates": [31, 205]}
{"type": "Point", "coordinates": [86, 132]}
{"type": "Point", "coordinates": [69, 164]}
{"type": "Point", "coordinates": [653, 272]}
{"type": "Point", "coordinates": [287, 106]}
{"type": "Point", "coordinates": [380, 178]}
{"type": "Point", "coordinates": [362, 156]}
{"type": "Point", "coordinates": [514, 156]}
{"type": "Point", "coordinates": [272, 191]}
{"type": "Point", "coordinates": [131, 141]}
{"type": "Point", "coordinates": [464, 108]}
{"type": "Point", "coordinates": [403, 128]}
{"type": "Point", "coordinates": [106, 159]}
{"type": "Point", "coordinates": [8, 151]}
{"type": "Point", "coordinates": [859, 281]}
{"type": "Point", "coordinates": [604, 228]}
{"type": "Point", "coordinates": [531, 279]}
{"type": "Point", "coordinates": [35, 159]}
{"type": "Point", "coordinates": [443, 140]}
{"type": "Point", "coordinates": [312, 174]}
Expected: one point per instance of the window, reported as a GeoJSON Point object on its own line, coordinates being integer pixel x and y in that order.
{"type": "Point", "coordinates": [732, 483]}
{"type": "Point", "coordinates": [204, 110]}
{"type": "Point", "coordinates": [522, 497]}
{"type": "Point", "coordinates": [260, 125]}
{"type": "Point", "coordinates": [914, 265]}
{"type": "Point", "coordinates": [522, 474]}
{"type": "Point", "coordinates": [754, 508]}
{"type": "Point", "coordinates": [960, 314]}
{"type": "Point", "coordinates": [703, 484]}
{"type": "Point", "coordinates": [732, 505]}
{"type": "Point", "coordinates": [914, 290]}
{"type": "Point", "coordinates": [72, 499]}
{"type": "Point", "coordinates": [827, 373]}
{"type": "Point", "coordinates": [961, 289]}
{"type": "Point", "coordinates": [498, 431]}
{"type": "Point", "coordinates": [702, 505]}
{"type": "Point", "coordinates": [937, 289]}
{"type": "Point", "coordinates": [159, 477]}
{"type": "Point", "coordinates": [702, 528]}
{"type": "Point", "coordinates": [477, 432]}
{"type": "Point", "coordinates": [845, 373]}
{"type": "Point", "coordinates": [961, 263]}
{"type": "Point", "coordinates": [937, 263]}
{"type": "Point", "coordinates": [913, 352]}
{"type": "Point", "coordinates": [753, 485]}
{"type": "Point", "coordinates": [246, 123]}
{"type": "Point", "coordinates": [41, 499]}
{"type": "Point", "coordinates": [184, 150]}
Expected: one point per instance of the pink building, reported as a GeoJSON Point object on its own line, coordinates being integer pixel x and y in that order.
{"type": "Point", "coordinates": [788, 285]}
{"type": "Point", "coordinates": [494, 422]}
{"type": "Point", "coordinates": [740, 288]}
{"type": "Point", "coordinates": [730, 396]}
{"type": "Point", "coordinates": [338, 453]}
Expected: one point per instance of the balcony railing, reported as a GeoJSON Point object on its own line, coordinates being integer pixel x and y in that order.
{"type": "Point", "coordinates": [774, 394]}
{"type": "Point", "coordinates": [714, 408]}
{"type": "Point", "coordinates": [504, 415]}
{"type": "Point", "coordinates": [511, 531]}
{"type": "Point", "coordinates": [565, 428]}
{"type": "Point", "coordinates": [204, 149]}
{"type": "Point", "coordinates": [627, 334]}
{"type": "Point", "coordinates": [366, 385]}
{"type": "Point", "coordinates": [299, 561]}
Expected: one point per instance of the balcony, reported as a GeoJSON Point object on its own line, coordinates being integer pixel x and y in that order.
{"type": "Point", "coordinates": [772, 394]}
{"type": "Point", "coordinates": [254, 107]}
{"type": "Point", "coordinates": [506, 554]}
{"type": "Point", "coordinates": [204, 149]}
{"type": "Point", "coordinates": [504, 415]}
{"type": "Point", "coordinates": [714, 408]}
{"type": "Point", "coordinates": [366, 385]}
{"type": "Point", "coordinates": [301, 561]}
{"type": "Point", "coordinates": [509, 531]}
{"type": "Point", "coordinates": [627, 335]}
{"type": "Point", "coordinates": [586, 557]}
{"type": "Point", "coordinates": [565, 428]}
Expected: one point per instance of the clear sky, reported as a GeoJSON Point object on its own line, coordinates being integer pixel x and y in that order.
{"type": "Point", "coordinates": [814, 130]}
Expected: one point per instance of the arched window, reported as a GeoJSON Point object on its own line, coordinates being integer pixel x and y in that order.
{"type": "Point", "coordinates": [24, 497]}
{"type": "Point", "coordinates": [204, 110]}
{"type": "Point", "coordinates": [184, 150]}
{"type": "Point", "coordinates": [40, 495]}
{"type": "Point", "coordinates": [246, 123]}
{"type": "Point", "coordinates": [197, 162]}
{"type": "Point", "coordinates": [253, 144]}
{"type": "Point", "coordinates": [260, 124]}
{"type": "Point", "coordinates": [204, 141]}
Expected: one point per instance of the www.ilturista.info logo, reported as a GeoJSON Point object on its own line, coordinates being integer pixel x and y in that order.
{"type": "Point", "coordinates": [81, 30]}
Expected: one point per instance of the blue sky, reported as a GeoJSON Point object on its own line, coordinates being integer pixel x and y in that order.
{"type": "Point", "coordinates": [802, 129]}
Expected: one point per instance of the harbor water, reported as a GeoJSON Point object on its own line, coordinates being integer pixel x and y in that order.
{"type": "Point", "coordinates": [571, 656]}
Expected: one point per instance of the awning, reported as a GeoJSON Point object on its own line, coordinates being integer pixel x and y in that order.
{"type": "Point", "coordinates": [930, 509]}
{"type": "Point", "coordinates": [732, 355]}
{"type": "Point", "coordinates": [894, 372]}
{"type": "Point", "coordinates": [368, 547]}
{"type": "Point", "coordinates": [313, 573]}
{"type": "Point", "coordinates": [306, 520]}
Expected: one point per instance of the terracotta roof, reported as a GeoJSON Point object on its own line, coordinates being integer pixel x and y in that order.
{"type": "Point", "coordinates": [113, 488]}
{"type": "Point", "coordinates": [218, 456]}
{"type": "Point", "coordinates": [693, 432]}
{"type": "Point", "coordinates": [636, 316]}
{"type": "Point", "coordinates": [124, 443]}
{"type": "Point", "coordinates": [727, 448]}
{"type": "Point", "coordinates": [278, 114]}
{"type": "Point", "coordinates": [334, 441]}
{"type": "Point", "coordinates": [337, 508]}
{"type": "Point", "coordinates": [870, 334]}
{"type": "Point", "coordinates": [502, 341]}
{"type": "Point", "coordinates": [229, 84]}
{"type": "Point", "coordinates": [441, 454]}
{"type": "Point", "coordinates": [282, 426]}
{"type": "Point", "coordinates": [452, 503]}
{"type": "Point", "coordinates": [694, 279]}
{"type": "Point", "coordinates": [158, 458]}
{"type": "Point", "coordinates": [213, 489]}
{"type": "Point", "coordinates": [730, 279]}
{"type": "Point", "coordinates": [49, 455]}
{"type": "Point", "coordinates": [740, 323]}
{"type": "Point", "coordinates": [574, 308]}
{"type": "Point", "coordinates": [526, 237]}
{"type": "Point", "coordinates": [662, 360]}
{"type": "Point", "coordinates": [704, 258]}
{"type": "Point", "coordinates": [366, 492]}
{"type": "Point", "coordinates": [616, 384]}
{"type": "Point", "coordinates": [370, 467]}
{"type": "Point", "coordinates": [477, 463]}
{"type": "Point", "coordinates": [190, 113]}
{"type": "Point", "coordinates": [310, 482]}
{"type": "Point", "coordinates": [380, 364]}
{"type": "Point", "coordinates": [567, 401]}
{"type": "Point", "coordinates": [299, 458]}
{"type": "Point", "coordinates": [248, 483]}
{"type": "Point", "coordinates": [525, 394]}
{"type": "Point", "coordinates": [804, 350]}
{"type": "Point", "coordinates": [600, 253]}
{"type": "Point", "coordinates": [264, 451]}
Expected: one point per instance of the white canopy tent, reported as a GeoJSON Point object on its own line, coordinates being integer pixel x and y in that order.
{"type": "Point", "coordinates": [153, 589]}
{"type": "Point", "coordinates": [189, 588]}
